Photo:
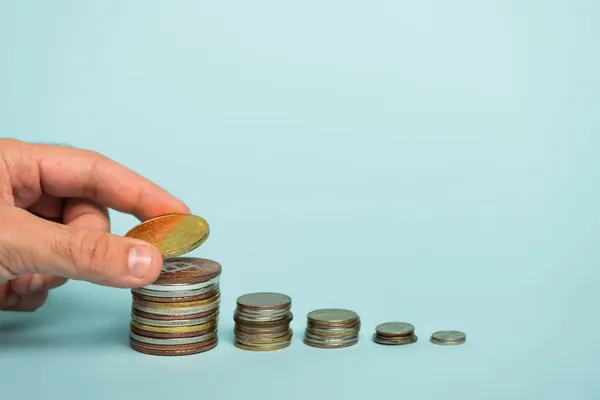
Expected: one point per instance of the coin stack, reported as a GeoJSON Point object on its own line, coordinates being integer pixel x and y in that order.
{"type": "Point", "coordinates": [395, 333]}
{"type": "Point", "coordinates": [178, 314]}
{"type": "Point", "coordinates": [262, 321]}
{"type": "Point", "coordinates": [448, 338]}
{"type": "Point", "coordinates": [332, 328]}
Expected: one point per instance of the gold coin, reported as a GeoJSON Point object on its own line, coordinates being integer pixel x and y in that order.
{"type": "Point", "coordinates": [185, 304]}
{"type": "Point", "coordinates": [175, 329]}
{"type": "Point", "coordinates": [173, 234]}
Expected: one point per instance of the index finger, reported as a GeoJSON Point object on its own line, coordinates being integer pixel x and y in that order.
{"type": "Point", "coordinates": [69, 172]}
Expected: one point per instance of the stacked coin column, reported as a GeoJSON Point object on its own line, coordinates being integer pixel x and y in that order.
{"type": "Point", "coordinates": [262, 321]}
{"type": "Point", "coordinates": [178, 314]}
{"type": "Point", "coordinates": [332, 328]}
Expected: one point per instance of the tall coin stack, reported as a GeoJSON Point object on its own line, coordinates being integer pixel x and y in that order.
{"type": "Point", "coordinates": [332, 328]}
{"type": "Point", "coordinates": [262, 321]}
{"type": "Point", "coordinates": [178, 314]}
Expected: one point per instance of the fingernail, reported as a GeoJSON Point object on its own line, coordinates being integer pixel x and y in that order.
{"type": "Point", "coordinates": [140, 259]}
{"type": "Point", "coordinates": [11, 300]}
{"type": "Point", "coordinates": [35, 283]}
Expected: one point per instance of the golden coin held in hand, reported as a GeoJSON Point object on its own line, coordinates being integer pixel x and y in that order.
{"type": "Point", "coordinates": [172, 234]}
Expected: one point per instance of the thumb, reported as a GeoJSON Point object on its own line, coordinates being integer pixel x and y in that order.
{"type": "Point", "coordinates": [32, 245]}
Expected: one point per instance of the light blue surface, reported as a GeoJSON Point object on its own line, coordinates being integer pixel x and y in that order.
{"type": "Point", "coordinates": [432, 162]}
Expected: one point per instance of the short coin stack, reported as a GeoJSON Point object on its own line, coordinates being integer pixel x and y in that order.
{"type": "Point", "coordinates": [395, 333]}
{"type": "Point", "coordinates": [448, 338]}
{"type": "Point", "coordinates": [178, 314]}
{"type": "Point", "coordinates": [262, 321]}
{"type": "Point", "coordinates": [332, 328]}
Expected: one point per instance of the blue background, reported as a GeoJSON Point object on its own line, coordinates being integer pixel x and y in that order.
{"type": "Point", "coordinates": [431, 162]}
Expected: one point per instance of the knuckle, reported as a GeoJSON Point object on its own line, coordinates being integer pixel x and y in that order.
{"type": "Point", "coordinates": [9, 143]}
{"type": "Point", "coordinates": [91, 251]}
{"type": "Point", "coordinates": [13, 257]}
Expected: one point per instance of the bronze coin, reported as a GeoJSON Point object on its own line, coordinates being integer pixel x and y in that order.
{"type": "Point", "coordinates": [334, 333]}
{"type": "Point", "coordinates": [265, 340]}
{"type": "Point", "coordinates": [203, 296]}
{"type": "Point", "coordinates": [329, 346]}
{"type": "Point", "coordinates": [260, 331]}
{"type": "Point", "coordinates": [160, 335]}
{"type": "Point", "coordinates": [176, 350]}
{"type": "Point", "coordinates": [286, 319]}
{"type": "Point", "coordinates": [188, 270]}
{"type": "Point", "coordinates": [174, 317]}
{"type": "Point", "coordinates": [395, 342]}
{"type": "Point", "coordinates": [261, 347]}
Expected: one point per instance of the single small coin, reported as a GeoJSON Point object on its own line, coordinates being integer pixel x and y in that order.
{"type": "Point", "coordinates": [448, 338]}
{"type": "Point", "coordinates": [332, 316]}
{"type": "Point", "coordinates": [172, 234]}
{"type": "Point", "coordinates": [264, 300]}
{"type": "Point", "coordinates": [395, 329]}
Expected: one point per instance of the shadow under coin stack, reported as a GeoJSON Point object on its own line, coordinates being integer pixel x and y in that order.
{"type": "Point", "coordinates": [332, 328]}
{"type": "Point", "coordinates": [178, 314]}
{"type": "Point", "coordinates": [395, 333]}
{"type": "Point", "coordinates": [262, 321]}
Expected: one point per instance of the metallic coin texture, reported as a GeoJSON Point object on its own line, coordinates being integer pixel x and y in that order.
{"type": "Point", "coordinates": [179, 313]}
{"type": "Point", "coordinates": [172, 341]}
{"type": "Point", "coordinates": [264, 300]}
{"type": "Point", "coordinates": [395, 329]}
{"type": "Point", "coordinates": [187, 270]}
{"type": "Point", "coordinates": [174, 350]}
{"type": "Point", "coordinates": [332, 328]}
{"type": "Point", "coordinates": [395, 342]}
{"type": "Point", "coordinates": [262, 321]}
{"type": "Point", "coordinates": [448, 338]}
{"type": "Point", "coordinates": [172, 234]}
{"type": "Point", "coordinates": [332, 316]}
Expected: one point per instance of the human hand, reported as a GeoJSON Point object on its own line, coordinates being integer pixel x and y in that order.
{"type": "Point", "coordinates": [54, 222]}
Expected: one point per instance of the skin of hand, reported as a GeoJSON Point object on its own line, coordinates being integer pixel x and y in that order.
{"type": "Point", "coordinates": [54, 222]}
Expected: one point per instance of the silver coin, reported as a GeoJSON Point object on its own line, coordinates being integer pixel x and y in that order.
{"type": "Point", "coordinates": [330, 345]}
{"type": "Point", "coordinates": [332, 316]}
{"type": "Point", "coordinates": [260, 317]}
{"type": "Point", "coordinates": [243, 335]}
{"type": "Point", "coordinates": [395, 342]}
{"type": "Point", "coordinates": [395, 329]}
{"type": "Point", "coordinates": [175, 322]}
{"type": "Point", "coordinates": [177, 311]}
{"type": "Point", "coordinates": [448, 337]}
{"type": "Point", "coordinates": [263, 300]}
{"type": "Point", "coordinates": [329, 339]}
{"type": "Point", "coordinates": [336, 331]}
{"type": "Point", "coordinates": [178, 287]}
{"type": "Point", "coordinates": [173, 341]}
{"type": "Point", "coordinates": [267, 345]}
{"type": "Point", "coordinates": [181, 293]}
